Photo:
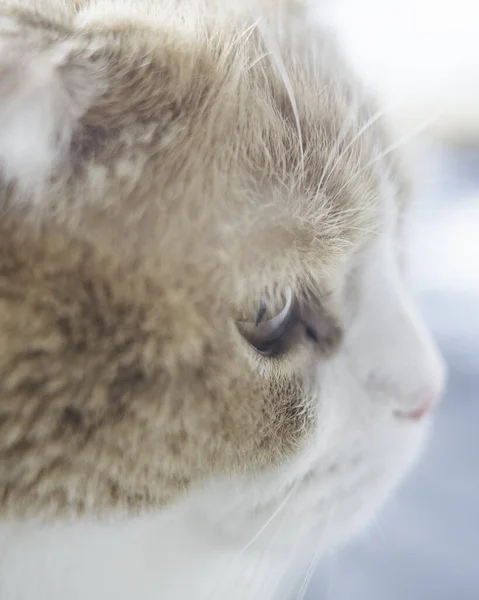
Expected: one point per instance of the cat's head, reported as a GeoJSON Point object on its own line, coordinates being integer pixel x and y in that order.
{"type": "Point", "coordinates": [200, 269]}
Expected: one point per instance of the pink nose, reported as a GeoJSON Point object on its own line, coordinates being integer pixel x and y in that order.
{"type": "Point", "coordinates": [425, 407]}
{"type": "Point", "coordinates": [418, 413]}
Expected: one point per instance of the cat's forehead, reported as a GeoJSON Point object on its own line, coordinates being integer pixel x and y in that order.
{"type": "Point", "coordinates": [272, 166]}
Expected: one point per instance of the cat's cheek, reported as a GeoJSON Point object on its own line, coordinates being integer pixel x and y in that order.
{"type": "Point", "coordinates": [359, 454]}
{"type": "Point", "coordinates": [385, 467]}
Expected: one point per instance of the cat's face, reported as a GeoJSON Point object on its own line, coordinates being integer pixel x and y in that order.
{"type": "Point", "coordinates": [201, 284]}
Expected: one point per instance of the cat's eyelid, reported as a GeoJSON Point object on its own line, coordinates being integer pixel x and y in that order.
{"type": "Point", "coordinates": [259, 332]}
{"type": "Point", "coordinates": [261, 312]}
{"type": "Point", "coordinates": [276, 321]}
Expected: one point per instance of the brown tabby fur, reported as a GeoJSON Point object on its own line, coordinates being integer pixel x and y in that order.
{"type": "Point", "coordinates": [189, 187]}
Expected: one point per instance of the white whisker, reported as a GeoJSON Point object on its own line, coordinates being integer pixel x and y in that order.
{"type": "Point", "coordinates": [389, 150]}
{"type": "Point", "coordinates": [404, 140]}
{"type": "Point", "coordinates": [314, 561]}
{"type": "Point", "coordinates": [307, 579]}
{"type": "Point", "coordinates": [247, 33]}
{"type": "Point", "coordinates": [276, 512]}
{"type": "Point", "coordinates": [257, 60]}
{"type": "Point", "coordinates": [271, 43]}
{"type": "Point", "coordinates": [342, 134]}
{"type": "Point", "coordinates": [379, 529]}
{"type": "Point", "coordinates": [369, 123]}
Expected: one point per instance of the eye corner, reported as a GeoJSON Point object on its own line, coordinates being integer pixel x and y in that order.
{"type": "Point", "coordinates": [322, 329]}
{"type": "Point", "coordinates": [311, 334]}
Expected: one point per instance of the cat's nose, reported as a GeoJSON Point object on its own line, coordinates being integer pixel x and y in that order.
{"type": "Point", "coordinates": [426, 403]}
{"type": "Point", "coordinates": [416, 414]}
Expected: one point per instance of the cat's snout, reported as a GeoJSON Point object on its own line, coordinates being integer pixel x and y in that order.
{"type": "Point", "coordinates": [424, 408]}
{"type": "Point", "coordinates": [427, 400]}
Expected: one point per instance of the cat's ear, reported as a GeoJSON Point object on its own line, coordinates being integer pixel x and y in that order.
{"type": "Point", "coordinates": [48, 81]}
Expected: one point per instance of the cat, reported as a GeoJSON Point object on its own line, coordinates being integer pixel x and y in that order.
{"type": "Point", "coordinates": [209, 359]}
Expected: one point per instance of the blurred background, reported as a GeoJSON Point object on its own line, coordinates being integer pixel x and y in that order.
{"type": "Point", "coordinates": [422, 57]}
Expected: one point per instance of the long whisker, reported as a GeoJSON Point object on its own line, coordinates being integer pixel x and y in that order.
{"type": "Point", "coordinates": [257, 60]}
{"type": "Point", "coordinates": [307, 579]}
{"type": "Point", "coordinates": [348, 122]}
{"type": "Point", "coordinates": [276, 512]}
{"type": "Point", "coordinates": [247, 33]}
{"type": "Point", "coordinates": [271, 43]}
{"type": "Point", "coordinates": [379, 529]}
{"type": "Point", "coordinates": [270, 545]}
{"type": "Point", "coordinates": [389, 150]}
{"type": "Point", "coordinates": [405, 139]}
{"type": "Point", "coordinates": [314, 561]}
{"type": "Point", "coordinates": [369, 123]}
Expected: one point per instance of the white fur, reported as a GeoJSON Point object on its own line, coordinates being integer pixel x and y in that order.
{"type": "Point", "coordinates": [38, 108]}
{"type": "Point", "coordinates": [28, 123]}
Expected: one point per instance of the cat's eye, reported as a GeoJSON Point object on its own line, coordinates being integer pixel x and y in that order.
{"type": "Point", "coordinates": [265, 333]}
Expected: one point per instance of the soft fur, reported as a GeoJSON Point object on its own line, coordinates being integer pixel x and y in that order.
{"type": "Point", "coordinates": [164, 165]}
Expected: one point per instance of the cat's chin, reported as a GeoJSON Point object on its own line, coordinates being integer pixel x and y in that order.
{"type": "Point", "coordinates": [317, 501]}
{"type": "Point", "coordinates": [236, 538]}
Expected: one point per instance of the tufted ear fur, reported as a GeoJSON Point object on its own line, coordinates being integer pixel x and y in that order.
{"type": "Point", "coordinates": [47, 83]}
